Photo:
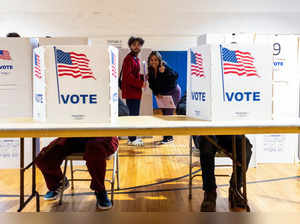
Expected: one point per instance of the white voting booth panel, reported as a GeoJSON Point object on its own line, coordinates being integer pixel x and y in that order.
{"type": "Point", "coordinates": [15, 78]}
{"type": "Point", "coordinates": [281, 148]}
{"type": "Point", "coordinates": [219, 87]}
{"type": "Point", "coordinates": [75, 83]}
{"type": "Point", "coordinates": [15, 94]}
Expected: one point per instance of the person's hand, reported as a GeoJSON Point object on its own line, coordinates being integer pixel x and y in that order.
{"type": "Point", "coordinates": [162, 69]}
{"type": "Point", "coordinates": [144, 85]}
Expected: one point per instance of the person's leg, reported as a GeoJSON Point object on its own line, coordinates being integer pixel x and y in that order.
{"type": "Point", "coordinates": [207, 161]}
{"type": "Point", "coordinates": [226, 142]}
{"type": "Point", "coordinates": [236, 203]}
{"type": "Point", "coordinates": [49, 161]}
{"type": "Point", "coordinates": [96, 152]}
{"type": "Point", "coordinates": [134, 110]}
{"type": "Point", "coordinates": [239, 159]}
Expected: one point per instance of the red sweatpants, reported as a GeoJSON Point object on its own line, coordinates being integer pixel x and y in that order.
{"type": "Point", "coordinates": [96, 150]}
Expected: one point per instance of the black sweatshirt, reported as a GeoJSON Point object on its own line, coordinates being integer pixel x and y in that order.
{"type": "Point", "coordinates": [164, 82]}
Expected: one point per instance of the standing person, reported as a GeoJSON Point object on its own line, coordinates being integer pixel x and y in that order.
{"type": "Point", "coordinates": [132, 82]}
{"type": "Point", "coordinates": [163, 82]}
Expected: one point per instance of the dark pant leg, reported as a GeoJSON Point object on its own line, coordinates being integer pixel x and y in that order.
{"type": "Point", "coordinates": [207, 161]}
{"type": "Point", "coordinates": [50, 159]}
{"type": "Point", "coordinates": [96, 152]}
{"type": "Point", "coordinates": [134, 110]}
{"type": "Point", "coordinates": [176, 96]}
{"type": "Point", "coordinates": [226, 143]}
{"type": "Point", "coordinates": [197, 139]}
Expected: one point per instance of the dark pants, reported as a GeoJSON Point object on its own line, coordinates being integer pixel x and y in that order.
{"type": "Point", "coordinates": [176, 95]}
{"type": "Point", "coordinates": [134, 110]}
{"type": "Point", "coordinates": [96, 151]}
{"type": "Point", "coordinates": [207, 158]}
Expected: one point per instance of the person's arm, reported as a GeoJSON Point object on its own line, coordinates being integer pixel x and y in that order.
{"type": "Point", "coordinates": [129, 78]}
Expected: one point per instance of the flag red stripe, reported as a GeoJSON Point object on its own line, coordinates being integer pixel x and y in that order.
{"type": "Point", "coordinates": [69, 74]}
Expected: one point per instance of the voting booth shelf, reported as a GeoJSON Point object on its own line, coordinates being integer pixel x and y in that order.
{"type": "Point", "coordinates": [230, 82]}
{"type": "Point", "coordinates": [75, 83]}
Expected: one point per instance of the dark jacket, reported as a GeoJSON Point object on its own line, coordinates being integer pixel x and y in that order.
{"type": "Point", "coordinates": [132, 80]}
{"type": "Point", "coordinates": [181, 106]}
{"type": "Point", "coordinates": [164, 82]}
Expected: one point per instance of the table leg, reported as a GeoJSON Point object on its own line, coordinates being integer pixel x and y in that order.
{"type": "Point", "coordinates": [190, 168]}
{"type": "Point", "coordinates": [35, 143]}
{"type": "Point", "coordinates": [34, 193]}
{"type": "Point", "coordinates": [21, 174]}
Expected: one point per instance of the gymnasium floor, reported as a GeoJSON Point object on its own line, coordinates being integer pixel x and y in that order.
{"type": "Point", "coordinates": [271, 187]}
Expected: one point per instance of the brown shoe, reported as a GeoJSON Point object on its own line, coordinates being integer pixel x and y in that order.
{"type": "Point", "coordinates": [209, 202]}
{"type": "Point", "coordinates": [236, 202]}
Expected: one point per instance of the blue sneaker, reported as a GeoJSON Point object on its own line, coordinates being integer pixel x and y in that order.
{"type": "Point", "coordinates": [54, 195]}
{"type": "Point", "coordinates": [50, 196]}
{"type": "Point", "coordinates": [103, 201]}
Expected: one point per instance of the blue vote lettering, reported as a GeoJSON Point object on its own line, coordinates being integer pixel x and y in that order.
{"type": "Point", "coordinates": [243, 96]}
{"type": "Point", "coordinates": [79, 99]}
{"type": "Point", "coordinates": [199, 96]}
{"type": "Point", "coordinates": [277, 63]}
{"type": "Point", "coordinates": [8, 67]}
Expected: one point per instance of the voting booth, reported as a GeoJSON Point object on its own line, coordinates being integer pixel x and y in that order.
{"type": "Point", "coordinates": [75, 83]}
{"type": "Point", "coordinates": [15, 78]}
{"type": "Point", "coordinates": [15, 94]}
{"type": "Point", "coordinates": [230, 82]}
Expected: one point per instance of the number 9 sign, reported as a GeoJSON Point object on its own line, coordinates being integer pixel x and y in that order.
{"type": "Point", "coordinates": [276, 49]}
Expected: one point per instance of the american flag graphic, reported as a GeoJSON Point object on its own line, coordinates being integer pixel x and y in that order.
{"type": "Point", "coordinates": [37, 66]}
{"type": "Point", "coordinates": [197, 64]}
{"type": "Point", "coordinates": [238, 62]}
{"type": "Point", "coordinates": [4, 55]}
{"type": "Point", "coordinates": [74, 65]}
{"type": "Point", "coordinates": [113, 65]}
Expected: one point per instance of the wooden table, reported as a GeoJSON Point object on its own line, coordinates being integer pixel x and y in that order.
{"type": "Point", "coordinates": [130, 126]}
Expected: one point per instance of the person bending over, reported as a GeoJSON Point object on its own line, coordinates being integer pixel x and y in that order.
{"type": "Point", "coordinates": [163, 82]}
